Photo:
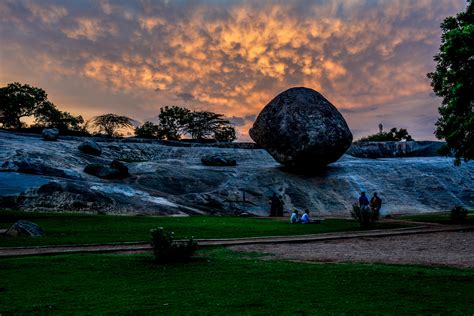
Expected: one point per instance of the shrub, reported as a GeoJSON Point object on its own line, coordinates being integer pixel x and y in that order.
{"type": "Point", "coordinates": [458, 214]}
{"type": "Point", "coordinates": [167, 250]}
{"type": "Point", "coordinates": [365, 216]}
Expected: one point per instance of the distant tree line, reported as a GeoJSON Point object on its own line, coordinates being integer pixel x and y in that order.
{"type": "Point", "coordinates": [175, 121]}
{"type": "Point", "coordinates": [393, 135]}
{"type": "Point", "coordinates": [22, 100]}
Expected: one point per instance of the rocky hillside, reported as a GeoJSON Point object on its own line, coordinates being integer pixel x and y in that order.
{"type": "Point", "coordinates": [40, 175]}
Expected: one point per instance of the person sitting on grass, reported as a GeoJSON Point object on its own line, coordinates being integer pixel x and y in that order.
{"type": "Point", "coordinates": [305, 218]}
{"type": "Point", "coordinates": [294, 217]}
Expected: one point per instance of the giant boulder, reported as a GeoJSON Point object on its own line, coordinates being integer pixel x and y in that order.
{"type": "Point", "coordinates": [301, 129]}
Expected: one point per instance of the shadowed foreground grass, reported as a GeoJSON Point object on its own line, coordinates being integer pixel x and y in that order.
{"type": "Point", "coordinates": [223, 282]}
{"type": "Point", "coordinates": [86, 229]}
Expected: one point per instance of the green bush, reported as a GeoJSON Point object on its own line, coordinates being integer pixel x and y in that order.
{"type": "Point", "coordinates": [167, 250]}
{"type": "Point", "coordinates": [365, 216]}
{"type": "Point", "coordinates": [458, 214]}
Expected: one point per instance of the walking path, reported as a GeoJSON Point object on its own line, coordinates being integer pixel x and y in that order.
{"type": "Point", "coordinates": [143, 247]}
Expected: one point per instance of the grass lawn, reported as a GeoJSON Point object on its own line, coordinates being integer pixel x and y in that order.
{"type": "Point", "coordinates": [441, 218]}
{"type": "Point", "coordinates": [85, 229]}
{"type": "Point", "coordinates": [227, 283]}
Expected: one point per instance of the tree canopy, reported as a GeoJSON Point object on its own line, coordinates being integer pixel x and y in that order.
{"type": "Point", "coordinates": [175, 121]}
{"type": "Point", "coordinates": [22, 100]}
{"type": "Point", "coordinates": [453, 80]}
{"type": "Point", "coordinates": [110, 123]}
{"type": "Point", "coordinates": [393, 135]}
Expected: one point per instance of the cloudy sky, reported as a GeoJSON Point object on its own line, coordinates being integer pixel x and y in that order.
{"type": "Point", "coordinates": [368, 57]}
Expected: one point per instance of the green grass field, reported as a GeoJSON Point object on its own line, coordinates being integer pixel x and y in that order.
{"type": "Point", "coordinates": [227, 283]}
{"type": "Point", "coordinates": [86, 229]}
{"type": "Point", "coordinates": [440, 218]}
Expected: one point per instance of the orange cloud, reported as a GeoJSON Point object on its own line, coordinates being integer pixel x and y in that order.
{"type": "Point", "coordinates": [233, 58]}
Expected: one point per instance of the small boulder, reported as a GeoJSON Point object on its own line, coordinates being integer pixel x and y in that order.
{"type": "Point", "coordinates": [301, 129]}
{"type": "Point", "coordinates": [25, 228]}
{"type": "Point", "coordinates": [116, 170]}
{"type": "Point", "coordinates": [218, 160]}
{"type": "Point", "coordinates": [90, 147]}
{"type": "Point", "coordinates": [50, 134]}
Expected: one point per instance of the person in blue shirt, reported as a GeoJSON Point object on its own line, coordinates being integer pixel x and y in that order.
{"type": "Point", "coordinates": [363, 201]}
{"type": "Point", "coordinates": [305, 218]}
{"type": "Point", "coordinates": [294, 217]}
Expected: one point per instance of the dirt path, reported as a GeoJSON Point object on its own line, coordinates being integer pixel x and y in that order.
{"type": "Point", "coordinates": [439, 248]}
{"type": "Point", "coordinates": [142, 247]}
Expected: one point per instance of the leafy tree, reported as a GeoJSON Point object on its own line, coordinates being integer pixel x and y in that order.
{"type": "Point", "coordinates": [225, 134]}
{"type": "Point", "coordinates": [453, 80]}
{"type": "Point", "coordinates": [149, 130]}
{"type": "Point", "coordinates": [17, 101]}
{"type": "Point", "coordinates": [173, 121]}
{"type": "Point", "coordinates": [393, 135]}
{"type": "Point", "coordinates": [109, 123]}
{"type": "Point", "coordinates": [205, 125]}
{"type": "Point", "coordinates": [49, 116]}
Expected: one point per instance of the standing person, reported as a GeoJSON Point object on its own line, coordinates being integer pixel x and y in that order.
{"type": "Point", "coordinates": [376, 205]}
{"type": "Point", "coordinates": [294, 217]}
{"type": "Point", "coordinates": [305, 218]}
{"type": "Point", "coordinates": [363, 201]}
{"type": "Point", "coordinates": [281, 203]}
{"type": "Point", "coordinates": [273, 201]}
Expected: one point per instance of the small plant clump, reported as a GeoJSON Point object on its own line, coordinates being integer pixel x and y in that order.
{"type": "Point", "coordinates": [364, 215]}
{"type": "Point", "coordinates": [458, 214]}
{"type": "Point", "coordinates": [166, 250]}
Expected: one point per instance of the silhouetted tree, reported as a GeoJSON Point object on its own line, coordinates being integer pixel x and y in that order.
{"type": "Point", "coordinates": [17, 101]}
{"type": "Point", "coordinates": [109, 123]}
{"type": "Point", "coordinates": [173, 121]}
{"type": "Point", "coordinates": [453, 80]}
{"type": "Point", "coordinates": [49, 116]}
{"type": "Point", "coordinates": [204, 124]}
{"type": "Point", "coordinates": [22, 100]}
{"type": "Point", "coordinates": [149, 130]}
{"type": "Point", "coordinates": [225, 134]}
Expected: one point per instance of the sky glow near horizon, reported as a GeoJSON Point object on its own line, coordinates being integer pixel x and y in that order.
{"type": "Point", "coordinates": [369, 58]}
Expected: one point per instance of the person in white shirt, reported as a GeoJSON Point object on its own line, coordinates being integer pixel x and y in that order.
{"type": "Point", "coordinates": [305, 218]}
{"type": "Point", "coordinates": [294, 217]}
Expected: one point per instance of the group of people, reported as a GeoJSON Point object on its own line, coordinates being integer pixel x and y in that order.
{"type": "Point", "coordinates": [276, 207]}
{"type": "Point", "coordinates": [375, 203]}
{"type": "Point", "coordinates": [303, 220]}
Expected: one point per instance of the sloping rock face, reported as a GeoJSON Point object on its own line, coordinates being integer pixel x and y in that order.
{"type": "Point", "coordinates": [395, 149]}
{"type": "Point", "coordinates": [166, 180]}
{"type": "Point", "coordinates": [302, 130]}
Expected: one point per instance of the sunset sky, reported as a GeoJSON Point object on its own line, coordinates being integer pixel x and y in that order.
{"type": "Point", "coordinates": [369, 58]}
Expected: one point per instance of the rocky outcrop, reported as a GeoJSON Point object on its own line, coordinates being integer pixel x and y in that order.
{"type": "Point", "coordinates": [218, 160]}
{"type": "Point", "coordinates": [25, 228]}
{"type": "Point", "coordinates": [172, 180]}
{"type": "Point", "coordinates": [116, 170]}
{"type": "Point", "coordinates": [50, 134]}
{"type": "Point", "coordinates": [36, 167]}
{"type": "Point", "coordinates": [90, 147]}
{"type": "Point", "coordinates": [301, 129]}
{"type": "Point", "coordinates": [395, 149]}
